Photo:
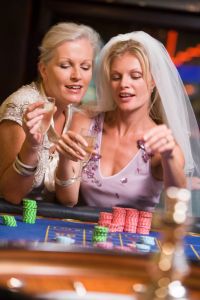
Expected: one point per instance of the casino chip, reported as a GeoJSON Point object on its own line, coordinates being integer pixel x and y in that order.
{"type": "Point", "coordinates": [143, 247]}
{"type": "Point", "coordinates": [144, 222]}
{"type": "Point", "coordinates": [131, 220]}
{"type": "Point", "coordinates": [104, 245]}
{"type": "Point", "coordinates": [126, 219]}
{"type": "Point", "coordinates": [9, 221]}
{"type": "Point", "coordinates": [65, 240]}
{"type": "Point", "coordinates": [105, 219]}
{"type": "Point", "coordinates": [29, 211]}
{"type": "Point", "coordinates": [100, 234]}
{"type": "Point", "coordinates": [148, 240]}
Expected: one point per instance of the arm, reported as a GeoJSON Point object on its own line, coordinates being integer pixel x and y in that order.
{"type": "Point", "coordinates": [24, 142]}
{"type": "Point", "coordinates": [71, 153]}
{"type": "Point", "coordinates": [168, 160]}
{"type": "Point", "coordinates": [13, 187]}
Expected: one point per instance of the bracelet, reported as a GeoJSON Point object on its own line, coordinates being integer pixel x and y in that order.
{"type": "Point", "coordinates": [21, 164]}
{"type": "Point", "coordinates": [23, 169]}
{"type": "Point", "coordinates": [65, 183]}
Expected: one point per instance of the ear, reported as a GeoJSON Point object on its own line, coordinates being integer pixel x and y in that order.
{"type": "Point", "coordinates": [152, 84]}
{"type": "Point", "coordinates": [42, 70]}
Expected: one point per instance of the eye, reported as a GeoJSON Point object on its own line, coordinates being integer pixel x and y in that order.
{"type": "Point", "coordinates": [64, 66]}
{"type": "Point", "coordinates": [136, 75]}
{"type": "Point", "coordinates": [86, 67]}
{"type": "Point", "coordinates": [115, 77]}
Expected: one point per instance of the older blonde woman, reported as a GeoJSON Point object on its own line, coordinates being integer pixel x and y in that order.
{"type": "Point", "coordinates": [28, 159]}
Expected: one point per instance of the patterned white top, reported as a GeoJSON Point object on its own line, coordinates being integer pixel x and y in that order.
{"type": "Point", "coordinates": [13, 109]}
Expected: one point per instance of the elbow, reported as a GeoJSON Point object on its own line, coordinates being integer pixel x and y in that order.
{"type": "Point", "coordinates": [69, 199]}
{"type": "Point", "coordinates": [67, 202]}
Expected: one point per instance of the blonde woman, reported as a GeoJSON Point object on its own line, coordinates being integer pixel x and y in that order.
{"type": "Point", "coordinates": [28, 159]}
{"type": "Point", "coordinates": [144, 128]}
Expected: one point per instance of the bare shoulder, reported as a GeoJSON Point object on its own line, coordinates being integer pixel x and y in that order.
{"type": "Point", "coordinates": [80, 119]}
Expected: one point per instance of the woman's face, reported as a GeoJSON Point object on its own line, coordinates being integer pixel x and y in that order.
{"type": "Point", "coordinates": [128, 86]}
{"type": "Point", "coordinates": [67, 75]}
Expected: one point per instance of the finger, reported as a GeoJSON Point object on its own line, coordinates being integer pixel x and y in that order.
{"type": "Point", "coordinates": [36, 128]}
{"type": "Point", "coordinates": [66, 152]}
{"type": "Point", "coordinates": [154, 130]}
{"type": "Point", "coordinates": [31, 122]}
{"type": "Point", "coordinates": [73, 144]}
{"type": "Point", "coordinates": [159, 136]}
{"type": "Point", "coordinates": [167, 147]}
{"type": "Point", "coordinates": [76, 151]}
{"type": "Point", "coordinates": [34, 106]}
{"type": "Point", "coordinates": [162, 145]}
{"type": "Point", "coordinates": [77, 138]}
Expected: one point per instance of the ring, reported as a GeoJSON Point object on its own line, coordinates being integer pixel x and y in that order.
{"type": "Point", "coordinates": [24, 120]}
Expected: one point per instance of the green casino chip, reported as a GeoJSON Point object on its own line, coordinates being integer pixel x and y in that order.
{"type": "Point", "coordinates": [9, 221]}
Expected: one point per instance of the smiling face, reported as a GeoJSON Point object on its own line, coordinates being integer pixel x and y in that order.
{"type": "Point", "coordinates": [129, 88]}
{"type": "Point", "coordinates": [67, 74]}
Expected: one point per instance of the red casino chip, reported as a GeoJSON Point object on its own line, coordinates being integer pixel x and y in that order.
{"type": "Point", "coordinates": [114, 228]}
{"type": "Point", "coordinates": [144, 222]}
{"type": "Point", "coordinates": [129, 228]}
{"type": "Point", "coordinates": [142, 230]}
{"type": "Point", "coordinates": [105, 219]}
{"type": "Point", "coordinates": [145, 214]}
{"type": "Point", "coordinates": [118, 217]}
{"type": "Point", "coordinates": [131, 220]}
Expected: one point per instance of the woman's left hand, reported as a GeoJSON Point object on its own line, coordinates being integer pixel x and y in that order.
{"type": "Point", "coordinates": [159, 139]}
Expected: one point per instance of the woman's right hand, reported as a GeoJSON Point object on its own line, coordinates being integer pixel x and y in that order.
{"type": "Point", "coordinates": [31, 123]}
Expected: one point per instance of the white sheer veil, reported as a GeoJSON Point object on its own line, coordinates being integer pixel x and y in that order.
{"type": "Point", "coordinates": [177, 110]}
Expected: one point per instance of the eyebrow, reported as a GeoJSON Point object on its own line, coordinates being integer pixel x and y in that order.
{"type": "Point", "coordinates": [132, 70]}
{"type": "Point", "coordinates": [70, 59]}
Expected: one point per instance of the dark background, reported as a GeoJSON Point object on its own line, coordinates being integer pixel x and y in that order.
{"type": "Point", "coordinates": [24, 22]}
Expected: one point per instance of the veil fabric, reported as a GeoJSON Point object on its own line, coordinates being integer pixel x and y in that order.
{"type": "Point", "coordinates": [177, 109]}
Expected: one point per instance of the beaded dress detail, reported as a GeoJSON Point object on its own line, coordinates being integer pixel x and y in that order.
{"type": "Point", "coordinates": [133, 186]}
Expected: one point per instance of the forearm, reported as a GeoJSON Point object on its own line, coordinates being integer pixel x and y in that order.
{"type": "Point", "coordinates": [173, 173]}
{"type": "Point", "coordinates": [66, 184]}
{"type": "Point", "coordinates": [17, 180]}
{"type": "Point", "coordinates": [14, 187]}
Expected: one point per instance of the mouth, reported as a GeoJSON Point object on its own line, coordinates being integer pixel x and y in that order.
{"type": "Point", "coordinates": [74, 87]}
{"type": "Point", "coordinates": [126, 96]}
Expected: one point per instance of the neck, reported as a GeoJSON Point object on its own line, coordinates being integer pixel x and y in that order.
{"type": "Point", "coordinates": [127, 123]}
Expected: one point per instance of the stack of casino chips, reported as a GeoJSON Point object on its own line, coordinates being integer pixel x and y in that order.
{"type": "Point", "coordinates": [9, 221]}
{"type": "Point", "coordinates": [100, 234]}
{"type": "Point", "coordinates": [29, 211]}
{"type": "Point", "coordinates": [105, 219]}
{"type": "Point", "coordinates": [118, 219]}
{"type": "Point", "coordinates": [144, 222]}
{"type": "Point", "coordinates": [127, 220]}
{"type": "Point", "coordinates": [131, 221]}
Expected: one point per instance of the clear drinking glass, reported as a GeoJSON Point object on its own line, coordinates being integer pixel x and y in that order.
{"type": "Point", "coordinates": [48, 107]}
{"type": "Point", "coordinates": [91, 140]}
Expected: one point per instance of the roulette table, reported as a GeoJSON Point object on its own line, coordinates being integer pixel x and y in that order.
{"type": "Point", "coordinates": [34, 263]}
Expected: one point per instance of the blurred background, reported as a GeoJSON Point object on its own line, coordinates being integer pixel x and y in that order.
{"type": "Point", "coordinates": [176, 23]}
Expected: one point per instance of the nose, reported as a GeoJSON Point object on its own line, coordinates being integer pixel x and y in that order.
{"type": "Point", "coordinates": [75, 74]}
{"type": "Point", "coordinates": [124, 81]}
